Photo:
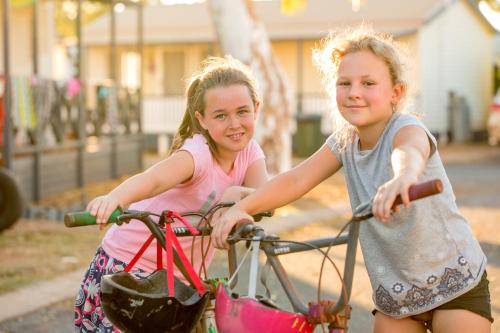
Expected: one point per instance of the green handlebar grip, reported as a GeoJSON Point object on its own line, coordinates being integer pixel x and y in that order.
{"type": "Point", "coordinates": [78, 219]}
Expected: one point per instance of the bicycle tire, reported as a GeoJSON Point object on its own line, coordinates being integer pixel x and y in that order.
{"type": "Point", "coordinates": [11, 199]}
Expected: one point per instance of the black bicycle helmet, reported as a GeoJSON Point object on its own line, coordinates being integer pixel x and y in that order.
{"type": "Point", "coordinates": [143, 304]}
{"type": "Point", "coordinates": [135, 304]}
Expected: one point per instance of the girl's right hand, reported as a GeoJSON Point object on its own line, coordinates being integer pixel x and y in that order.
{"type": "Point", "coordinates": [102, 207]}
{"type": "Point", "coordinates": [387, 193]}
{"type": "Point", "coordinates": [223, 226]}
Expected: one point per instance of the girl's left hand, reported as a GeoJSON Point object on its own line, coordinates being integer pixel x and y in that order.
{"type": "Point", "coordinates": [387, 193]}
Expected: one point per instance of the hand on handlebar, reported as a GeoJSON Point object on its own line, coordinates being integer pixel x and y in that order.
{"type": "Point", "coordinates": [386, 195]}
{"type": "Point", "coordinates": [223, 225]}
{"type": "Point", "coordinates": [101, 207]}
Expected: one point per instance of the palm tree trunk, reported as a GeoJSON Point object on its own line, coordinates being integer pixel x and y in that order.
{"type": "Point", "coordinates": [242, 35]}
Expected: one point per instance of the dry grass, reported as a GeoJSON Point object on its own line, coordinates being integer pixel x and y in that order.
{"type": "Point", "coordinates": [35, 250]}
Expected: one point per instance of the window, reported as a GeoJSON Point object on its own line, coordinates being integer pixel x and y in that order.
{"type": "Point", "coordinates": [130, 74]}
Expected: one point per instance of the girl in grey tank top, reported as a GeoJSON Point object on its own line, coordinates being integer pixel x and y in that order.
{"type": "Point", "coordinates": [421, 256]}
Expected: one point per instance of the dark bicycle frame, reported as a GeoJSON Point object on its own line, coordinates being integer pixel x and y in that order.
{"type": "Point", "coordinates": [273, 250]}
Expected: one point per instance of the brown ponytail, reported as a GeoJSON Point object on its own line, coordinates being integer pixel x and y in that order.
{"type": "Point", "coordinates": [186, 128]}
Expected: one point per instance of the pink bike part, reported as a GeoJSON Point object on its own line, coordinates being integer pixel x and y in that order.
{"type": "Point", "coordinates": [247, 315]}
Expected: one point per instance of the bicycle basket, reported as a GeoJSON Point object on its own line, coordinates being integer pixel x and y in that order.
{"type": "Point", "coordinates": [143, 304]}
{"type": "Point", "coordinates": [244, 314]}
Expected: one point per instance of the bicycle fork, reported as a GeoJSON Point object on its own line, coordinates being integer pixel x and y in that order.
{"type": "Point", "coordinates": [254, 268]}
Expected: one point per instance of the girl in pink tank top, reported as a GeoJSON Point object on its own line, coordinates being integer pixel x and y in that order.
{"type": "Point", "coordinates": [213, 157]}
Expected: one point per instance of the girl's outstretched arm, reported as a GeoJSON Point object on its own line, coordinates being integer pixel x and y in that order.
{"type": "Point", "coordinates": [277, 192]}
{"type": "Point", "coordinates": [411, 149]}
{"type": "Point", "coordinates": [162, 176]}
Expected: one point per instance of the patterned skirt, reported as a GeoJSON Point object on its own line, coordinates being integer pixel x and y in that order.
{"type": "Point", "coordinates": [89, 315]}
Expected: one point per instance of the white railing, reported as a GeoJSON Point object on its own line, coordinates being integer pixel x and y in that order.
{"type": "Point", "coordinates": [162, 114]}
{"type": "Point", "coordinates": [319, 104]}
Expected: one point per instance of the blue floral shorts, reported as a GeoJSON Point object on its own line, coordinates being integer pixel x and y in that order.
{"type": "Point", "coordinates": [89, 315]}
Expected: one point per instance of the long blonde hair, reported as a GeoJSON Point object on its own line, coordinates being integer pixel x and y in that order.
{"type": "Point", "coordinates": [339, 43]}
{"type": "Point", "coordinates": [215, 72]}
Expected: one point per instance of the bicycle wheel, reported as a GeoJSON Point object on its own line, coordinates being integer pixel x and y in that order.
{"type": "Point", "coordinates": [11, 200]}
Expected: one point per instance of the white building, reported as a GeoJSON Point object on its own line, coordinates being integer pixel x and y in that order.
{"type": "Point", "coordinates": [451, 41]}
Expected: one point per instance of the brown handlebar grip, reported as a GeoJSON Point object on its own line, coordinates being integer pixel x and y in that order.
{"type": "Point", "coordinates": [422, 190]}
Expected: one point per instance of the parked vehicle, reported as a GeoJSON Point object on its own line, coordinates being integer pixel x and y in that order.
{"type": "Point", "coordinates": [11, 200]}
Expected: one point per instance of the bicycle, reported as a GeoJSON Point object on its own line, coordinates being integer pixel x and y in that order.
{"type": "Point", "coordinates": [230, 312]}
{"type": "Point", "coordinates": [160, 231]}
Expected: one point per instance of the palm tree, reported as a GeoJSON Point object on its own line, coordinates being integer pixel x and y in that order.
{"type": "Point", "coordinates": [242, 35]}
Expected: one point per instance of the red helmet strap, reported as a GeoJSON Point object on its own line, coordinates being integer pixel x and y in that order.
{"type": "Point", "coordinates": [170, 242]}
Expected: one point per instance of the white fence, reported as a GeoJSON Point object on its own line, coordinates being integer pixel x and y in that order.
{"type": "Point", "coordinates": [318, 104]}
{"type": "Point", "coordinates": [162, 115]}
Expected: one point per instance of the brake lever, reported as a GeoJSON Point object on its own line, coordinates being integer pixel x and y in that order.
{"type": "Point", "coordinates": [128, 215]}
{"type": "Point", "coordinates": [240, 231]}
{"type": "Point", "coordinates": [362, 212]}
{"type": "Point", "coordinates": [259, 216]}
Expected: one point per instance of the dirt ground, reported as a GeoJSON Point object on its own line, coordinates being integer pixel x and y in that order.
{"type": "Point", "coordinates": [474, 172]}
{"type": "Point", "coordinates": [475, 176]}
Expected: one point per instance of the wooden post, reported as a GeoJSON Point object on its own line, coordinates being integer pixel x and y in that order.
{"type": "Point", "coordinates": [113, 94]}
{"type": "Point", "coordinates": [82, 135]}
{"type": "Point", "coordinates": [140, 46]}
{"type": "Point", "coordinates": [37, 191]}
{"type": "Point", "coordinates": [300, 75]}
{"type": "Point", "coordinates": [7, 131]}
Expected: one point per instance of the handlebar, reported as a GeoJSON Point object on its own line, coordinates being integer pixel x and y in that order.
{"type": "Point", "coordinates": [415, 192]}
{"type": "Point", "coordinates": [245, 229]}
{"type": "Point", "coordinates": [119, 216]}
{"type": "Point", "coordinates": [421, 190]}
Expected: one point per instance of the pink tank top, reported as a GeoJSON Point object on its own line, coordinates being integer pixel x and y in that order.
{"type": "Point", "coordinates": [198, 194]}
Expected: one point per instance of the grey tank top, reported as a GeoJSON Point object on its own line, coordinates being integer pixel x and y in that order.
{"type": "Point", "coordinates": [425, 255]}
